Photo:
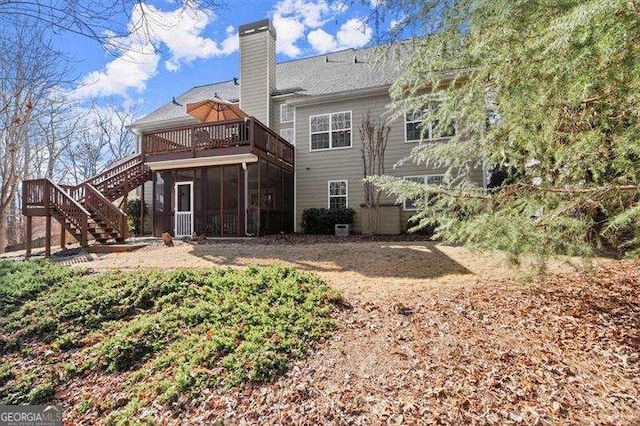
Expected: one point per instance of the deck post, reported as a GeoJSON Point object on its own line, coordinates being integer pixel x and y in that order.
{"type": "Point", "coordinates": [63, 237]}
{"type": "Point", "coordinates": [29, 236]}
{"type": "Point", "coordinates": [47, 237]}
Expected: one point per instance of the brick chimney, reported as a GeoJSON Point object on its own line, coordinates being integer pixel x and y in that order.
{"type": "Point", "coordinates": [257, 69]}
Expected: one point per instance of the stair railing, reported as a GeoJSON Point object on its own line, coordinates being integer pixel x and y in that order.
{"type": "Point", "coordinates": [43, 193]}
{"type": "Point", "coordinates": [114, 217]}
{"type": "Point", "coordinates": [115, 170]}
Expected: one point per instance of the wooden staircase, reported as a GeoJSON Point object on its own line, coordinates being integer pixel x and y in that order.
{"type": "Point", "coordinates": [86, 209]}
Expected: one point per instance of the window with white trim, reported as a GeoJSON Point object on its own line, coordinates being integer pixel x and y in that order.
{"type": "Point", "coordinates": [419, 127]}
{"type": "Point", "coordinates": [288, 135]}
{"type": "Point", "coordinates": [338, 194]}
{"type": "Point", "coordinates": [329, 131]}
{"type": "Point", "coordinates": [409, 205]}
{"type": "Point", "coordinates": [287, 113]}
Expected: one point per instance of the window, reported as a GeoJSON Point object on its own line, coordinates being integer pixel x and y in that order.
{"type": "Point", "coordinates": [338, 192]}
{"type": "Point", "coordinates": [415, 124]}
{"type": "Point", "coordinates": [409, 205]}
{"type": "Point", "coordinates": [286, 113]}
{"type": "Point", "coordinates": [330, 130]}
{"type": "Point", "coordinates": [288, 135]}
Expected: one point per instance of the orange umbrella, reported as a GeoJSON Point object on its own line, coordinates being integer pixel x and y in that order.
{"type": "Point", "coordinates": [209, 111]}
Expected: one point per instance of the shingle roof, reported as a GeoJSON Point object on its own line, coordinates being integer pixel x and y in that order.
{"type": "Point", "coordinates": [336, 72]}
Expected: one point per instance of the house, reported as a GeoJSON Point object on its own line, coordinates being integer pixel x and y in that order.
{"type": "Point", "coordinates": [290, 141]}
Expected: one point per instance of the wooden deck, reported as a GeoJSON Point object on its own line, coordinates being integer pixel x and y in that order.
{"type": "Point", "coordinates": [231, 137]}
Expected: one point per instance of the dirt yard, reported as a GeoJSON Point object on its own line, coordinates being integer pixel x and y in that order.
{"type": "Point", "coordinates": [361, 269]}
{"type": "Point", "coordinates": [434, 334]}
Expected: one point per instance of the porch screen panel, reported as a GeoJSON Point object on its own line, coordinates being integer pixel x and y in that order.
{"type": "Point", "coordinates": [264, 183]}
{"type": "Point", "coordinates": [287, 201]}
{"type": "Point", "coordinates": [230, 200]}
{"type": "Point", "coordinates": [162, 203]}
{"type": "Point", "coordinates": [274, 225]}
{"type": "Point", "coordinates": [253, 209]}
{"type": "Point", "coordinates": [211, 201]}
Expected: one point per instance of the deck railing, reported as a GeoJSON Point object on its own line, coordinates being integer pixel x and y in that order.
{"type": "Point", "coordinates": [44, 194]}
{"type": "Point", "coordinates": [223, 134]}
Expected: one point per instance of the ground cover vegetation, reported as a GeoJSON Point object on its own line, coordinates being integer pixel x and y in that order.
{"type": "Point", "coordinates": [542, 94]}
{"type": "Point", "coordinates": [167, 335]}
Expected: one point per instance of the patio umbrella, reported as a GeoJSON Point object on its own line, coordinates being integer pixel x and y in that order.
{"type": "Point", "coordinates": [209, 111]}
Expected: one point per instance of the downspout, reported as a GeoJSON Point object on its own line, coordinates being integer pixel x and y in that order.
{"type": "Point", "coordinates": [246, 200]}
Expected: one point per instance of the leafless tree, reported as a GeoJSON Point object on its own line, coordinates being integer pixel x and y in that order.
{"type": "Point", "coordinates": [374, 136]}
{"type": "Point", "coordinates": [109, 22]}
{"type": "Point", "coordinates": [52, 131]}
{"type": "Point", "coordinates": [113, 122]}
{"type": "Point", "coordinates": [30, 69]}
{"type": "Point", "coordinates": [85, 155]}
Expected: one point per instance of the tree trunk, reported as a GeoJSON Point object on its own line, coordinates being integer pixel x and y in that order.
{"type": "Point", "coordinates": [3, 231]}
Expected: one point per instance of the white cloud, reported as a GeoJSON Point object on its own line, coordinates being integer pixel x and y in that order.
{"type": "Point", "coordinates": [296, 20]}
{"type": "Point", "coordinates": [321, 41]}
{"type": "Point", "coordinates": [353, 33]}
{"type": "Point", "coordinates": [289, 31]}
{"type": "Point", "coordinates": [292, 18]}
{"type": "Point", "coordinates": [178, 31]}
{"type": "Point", "coordinates": [129, 71]}
{"type": "Point", "coordinates": [312, 14]}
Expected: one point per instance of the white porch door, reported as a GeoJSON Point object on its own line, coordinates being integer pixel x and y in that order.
{"type": "Point", "coordinates": [184, 209]}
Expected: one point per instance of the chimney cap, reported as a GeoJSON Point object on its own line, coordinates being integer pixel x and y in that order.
{"type": "Point", "coordinates": [257, 27]}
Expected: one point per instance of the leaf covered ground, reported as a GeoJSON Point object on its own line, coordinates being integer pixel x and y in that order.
{"type": "Point", "coordinates": [563, 349]}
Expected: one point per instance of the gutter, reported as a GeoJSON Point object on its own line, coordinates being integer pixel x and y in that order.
{"type": "Point", "coordinates": [339, 96]}
{"type": "Point", "coordinates": [162, 124]}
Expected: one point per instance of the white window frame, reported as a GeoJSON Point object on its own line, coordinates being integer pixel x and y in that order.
{"type": "Point", "coordinates": [425, 181]}
{"type": "Point", "coordinates": [430, 131]}
{"type": "Point", "coordinates": [330, 131]}
{"type": "Point", "coordinates": [346, 194]}
{"type": "Point", "coordinates": [293, 113]}
{"type": "Point", "coordinates": [292, 141]}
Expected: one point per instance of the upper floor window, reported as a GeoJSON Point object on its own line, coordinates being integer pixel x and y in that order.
{"type": "Point", "coordinates": [288, 135]}
{"type": "Point", "coordinates": [418, 127]}
{"type": "Point", "coordinates": [338, 194]}
{"type": "Point", "coordinates": [330, 130]}
{"type": "Point", "coordinates": [286, 113]}
{"type": "Point", "coordinates": [409, 205]}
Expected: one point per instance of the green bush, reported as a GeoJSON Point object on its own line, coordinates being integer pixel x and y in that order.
{"type": "Point", "coordinates": [132, 210]}
{"type": "Point", "coordinates": [175, 332]}
{"type": "Point", "coordinates": [323, 221]}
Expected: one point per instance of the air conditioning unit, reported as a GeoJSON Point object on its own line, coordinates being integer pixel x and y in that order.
{"type": "Point", "coordinates": [342, 230]}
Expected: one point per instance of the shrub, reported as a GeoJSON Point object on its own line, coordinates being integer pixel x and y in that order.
{"type": "Point", "coordinates": [132, 210]}
{"type": "Point", "coordinates": [323, 221]}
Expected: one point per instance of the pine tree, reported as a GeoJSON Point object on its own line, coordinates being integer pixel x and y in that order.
{"type": "Point", "coordinates": [546, 94]}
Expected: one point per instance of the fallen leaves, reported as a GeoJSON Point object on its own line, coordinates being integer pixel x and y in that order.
{"type": "Point", "coordinates": [562, 350]}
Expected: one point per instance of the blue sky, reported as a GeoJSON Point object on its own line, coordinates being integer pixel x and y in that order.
{"type": "Point", "coordinates": [182, 50]}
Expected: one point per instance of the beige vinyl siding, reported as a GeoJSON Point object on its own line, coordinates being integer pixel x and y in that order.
{"type": "Point", "coordinates": [276, 125]}
{"type": "Point", "coordinates": [315, 168]}
{"type": "Point", "coordinates": [148, 200]}
{"type": "Point", "coordinates": [257, 74]}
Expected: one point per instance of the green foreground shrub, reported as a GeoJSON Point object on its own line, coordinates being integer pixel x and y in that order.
{"type": "Point", "coordinates": [175, 332]}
